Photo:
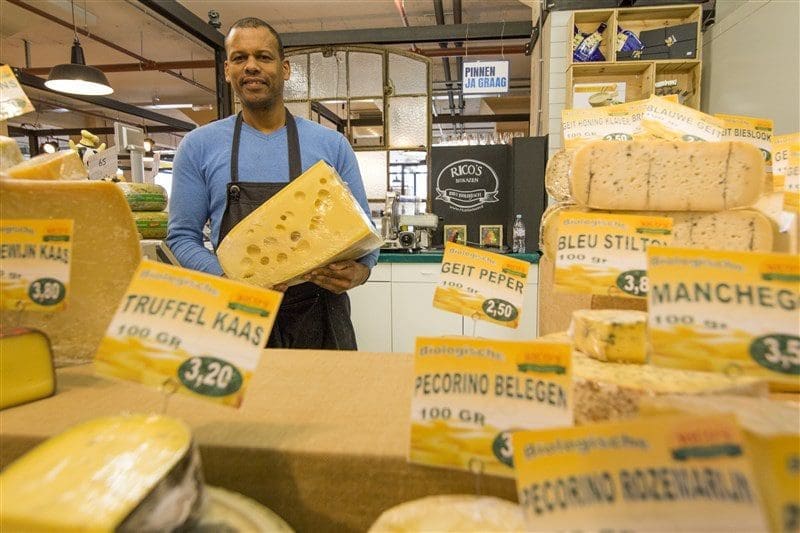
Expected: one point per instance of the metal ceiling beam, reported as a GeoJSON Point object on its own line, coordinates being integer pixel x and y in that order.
{"type": "Point", "coordinates": [481, 31]}
{"type": "Point", "coordinates": [38, 83]}
{"type": "Point", "coordinates": [180, 16]}
{"type": "Point", "coordinates": [15, 131]}
{"type": "Point", "coordinates": [452, 119]}
{"type": "Point", "coordinates": [138, 67]}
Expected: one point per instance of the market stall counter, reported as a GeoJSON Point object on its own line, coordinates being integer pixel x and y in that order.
{"type": "Point", "coordinates": [321, 437]}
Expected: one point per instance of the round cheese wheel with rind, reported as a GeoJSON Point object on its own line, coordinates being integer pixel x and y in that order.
{"type": "Point", "coordinates": [151, 224]}
{"type": "Point", "coordinates": [452, 513]}
{"type": "Point", "coordinates": [230, 511]}
{"type": "Point", "coordinates": [144, 196]}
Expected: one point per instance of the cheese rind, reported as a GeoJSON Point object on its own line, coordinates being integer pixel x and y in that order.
{"type": "Point", "coordinates": [64, 165]}
{"type": "Point", "coordinates": [661, 175]}
{"type": "Point", "coordinates": [144, 196]}
{"type": "Point", "coordinates": [556, 178]}
{"type": "Point", "coordinates": [611, 335]}
{"type": "Point", "coordinates": [452, 513]}
{"type": "Point", "coordinates": [26, 367]}
{"type": "Point", "coordinates": [230, 511]}
{"type": "Point", "coordinates": [106, 474]}
{"type": "Point", "coordinates": [744, 230]}
{"type": "Point", "coordinates": [10, 153]}
{"type": "Point", "coordinates": [313, 221]}
{"type": "Point", "coordinates": [105, 254]}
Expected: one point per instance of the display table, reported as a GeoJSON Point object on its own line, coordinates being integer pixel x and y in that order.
{"type": "Point", "coordinates": [321, 437]}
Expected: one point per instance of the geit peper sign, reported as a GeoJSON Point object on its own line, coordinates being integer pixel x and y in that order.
{"type": "Point", "coordinates": [467, 184]}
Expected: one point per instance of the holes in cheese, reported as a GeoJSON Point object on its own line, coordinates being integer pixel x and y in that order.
{"type": "Point", "coordinates": [122, 473]}
{"type": "Point", "coordinates": [253, 249]}
{"type": "Point", "coordinates": [64, 165]}
{"type": "Point", "coordinates": [26, 367]}
{"type": "Point", "coordinates": [662, 175]}
{"type": "Point", "coordinates": [322, 225]}
{"type": "Point", "coordinates": [105, 254]}
{"type": "Point", "coordinates": [264, 260]}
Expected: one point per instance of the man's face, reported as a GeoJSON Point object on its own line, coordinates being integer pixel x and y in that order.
{"type": "Point", "coordinates": [254, 67]}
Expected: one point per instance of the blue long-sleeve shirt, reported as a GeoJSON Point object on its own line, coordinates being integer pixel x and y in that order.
{"type": "Point", "coordinates": [202, 170]}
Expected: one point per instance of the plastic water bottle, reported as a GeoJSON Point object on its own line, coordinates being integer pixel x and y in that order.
{"type": "Point", "coordinates": [518, 242]}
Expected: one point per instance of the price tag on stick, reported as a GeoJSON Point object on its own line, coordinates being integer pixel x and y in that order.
{"type": "Point", "coordinates": [199, 333]}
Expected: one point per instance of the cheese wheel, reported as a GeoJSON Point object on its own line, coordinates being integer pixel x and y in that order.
{"type": "Point", "coordinates": [311, 222]}
{"type": "Point", "coordinates": [144, 196]}
{"type": "Point", "coordinates": [658, 175]}
{"type": "Point", "coordinates": [452, 513]}
{"type": "Point", "coordinates": [10, 153]}
{"type": "Point", "coordinates": [26, 367]}
{"type": "Point", "coordinates": [124, 473]}
{"type": "Point", "coordinates": [151, 224]}
{"type": "Point", "coordinates": [64, 165]}
{"type": "Point", "coordinates": [230, 511]}
{"type": "Point", "coordinates": [556, 178]}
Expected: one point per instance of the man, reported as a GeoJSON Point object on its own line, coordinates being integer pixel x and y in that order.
{"type": "Point", "coordinates": [226, 169]}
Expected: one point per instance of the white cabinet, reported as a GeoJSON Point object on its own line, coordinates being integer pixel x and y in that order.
{"type": "Point", "coordinates": [371, 311]}
{"type": "Point", "coordinates": [413, 315]}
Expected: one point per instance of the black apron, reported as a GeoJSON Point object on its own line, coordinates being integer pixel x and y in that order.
{"type": "Point", "coordinates": [309, 316]}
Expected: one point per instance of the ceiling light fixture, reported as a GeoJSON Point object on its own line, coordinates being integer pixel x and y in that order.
{"type": "Point", "coordinates": [149, 144]}
{"type": "Point", "coordinates": [49, 147]}
{"type": "Point", "coordinates": [77, 77]}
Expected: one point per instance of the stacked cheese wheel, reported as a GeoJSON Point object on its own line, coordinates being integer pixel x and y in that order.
{"type": "Point", "coordinates": [147, 202]}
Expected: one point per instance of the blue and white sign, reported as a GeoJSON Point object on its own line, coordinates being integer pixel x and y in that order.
{"type": "Point", "coordinates": [485, 77]}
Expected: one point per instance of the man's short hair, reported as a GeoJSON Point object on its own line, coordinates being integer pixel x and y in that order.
{"type": "Point", "coordinates": [255, 22]}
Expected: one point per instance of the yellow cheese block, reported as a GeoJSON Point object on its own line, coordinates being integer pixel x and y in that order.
{"type": "Point", "coordinates": [312, 221]}
{"type": "Point", "coordinates": [745, 230]}
{"type": "Point", "coordinates": [105, 254]}
{"type": "Point", "coordinates": [452, 514]}
{"type": "Point", "coordinates": [613, 335]}
{"type": "Point", "coordinates": [26, 367]}
{"type": "Point", "coordinates": [64, 165]}
{"type": "Point", "coordinates": [772, 430]}
{"type": "Point", "coordinates": [105, 474]}
{"type": "Point", "coordinates": [10, 153]}
{"type": "Point", "coordinates": [658, 175]}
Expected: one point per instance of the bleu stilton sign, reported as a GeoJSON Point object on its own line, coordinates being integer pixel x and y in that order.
{"type": "Point", "coordinates": [467, 184]}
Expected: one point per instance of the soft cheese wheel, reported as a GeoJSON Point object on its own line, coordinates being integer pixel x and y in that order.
{"type": "Point", "coordinates": [10, 153]}
{"type": "Point", "coordinates": [611, 335]}
{"type": "Point", "coordinates": [64, 165]}
{"type": "Point", "coordinates": [313, 221]}
{"type": "Point", "coordinates": [229, 511]}
{"type": "Point", "coordinates": [151, 224]}
{"type": "Point", "coordinates": [661, 175]}
{"type": "Point", "coordinates": [120, 473]}
{"type": "Point", "coordinates": [105, 254]}
{"type": "Point", "coordinates": [743, 230]}
{"type": "Point", "coordinates": [606, 391]}
{"type": "Point", "coordinates": [26, 367]}
{"type": "Point", "coordinates": [144, 196]}
{"type": "Point", "coordinates": [556, 178]}
{"type": "Point", "coordinates": [452, 513]}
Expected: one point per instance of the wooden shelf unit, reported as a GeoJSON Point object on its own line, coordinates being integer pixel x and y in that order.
{"type": "Point", "coordinates": [640, 76]}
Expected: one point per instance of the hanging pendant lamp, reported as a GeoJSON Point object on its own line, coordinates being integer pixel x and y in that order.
{"type": "Point", "coordinates": [76, 77]}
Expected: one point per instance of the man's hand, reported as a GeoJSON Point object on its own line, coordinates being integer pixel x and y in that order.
{"type": "Point", "coordinates": [339, 277]}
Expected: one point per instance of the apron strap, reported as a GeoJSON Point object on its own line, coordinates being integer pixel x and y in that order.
{"type": "Point", "coordinates": [292, 142]}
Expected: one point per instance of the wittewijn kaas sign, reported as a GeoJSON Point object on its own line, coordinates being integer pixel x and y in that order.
{"type": "Point", "coordinates": [470, 185]}
{"type": "Point", "coordinates": [485, 77]}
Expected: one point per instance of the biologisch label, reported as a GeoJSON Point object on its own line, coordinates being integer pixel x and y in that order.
{"type": "Point", "coordinates": [786, 169]}
{"type": "Point", "coordinates": [35, 264]}
{"type": "Point", "coordinates": [729, 312]}
{"type": "Point", "coordinates": [471, 394]}
{"type": "Point", "coordinates": [620, 122]}
{"type": "Point", "coordinates": [605, 254]}
{"type": "Point", "coordinates": [672, 473]}
{"type": "Point", "coordinates": [754, 131]}
{"type": "Point", "coordinates": [481, 285]}
{"type": "Point", "coordinates": [675, 122]}
{"type": "Point", "coordinates": [187, 331]}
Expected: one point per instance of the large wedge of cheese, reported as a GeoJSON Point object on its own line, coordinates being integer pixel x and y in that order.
{"type": "Point", "coordinates": [122, 473]}
{"type": "Point", "coordinates": [611, 335]}
{"type": "Point", "coordinates": [10, 153]}
{"type": "Point", "coordinates": [64, 165]}
{"type": "Point", "coordinates": [452, 513]}
{"type": "Point", "coordinates": [744, 230]}
{"type": "Point", "coordinates": [105, 254]}
{"type": "Point", "coordinates": [608, 391]}
{"type": "Point", "coordinates": [772, 430]}
{"type": "Point", "coordinates": [658, 175]}
{"type": "Point", "coordinates": [311, 222]}
{"type": "Point", "coordinates": [26, 367]}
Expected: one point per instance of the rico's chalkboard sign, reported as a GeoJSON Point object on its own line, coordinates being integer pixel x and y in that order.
{"type": "Point", "coordinates": [470, 185]}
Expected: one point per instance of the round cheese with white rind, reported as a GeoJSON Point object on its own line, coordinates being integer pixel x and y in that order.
{"type": "Point", "coordinates": [452, 513]}
{"type": "Point", "coordinates": [230, 511]}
